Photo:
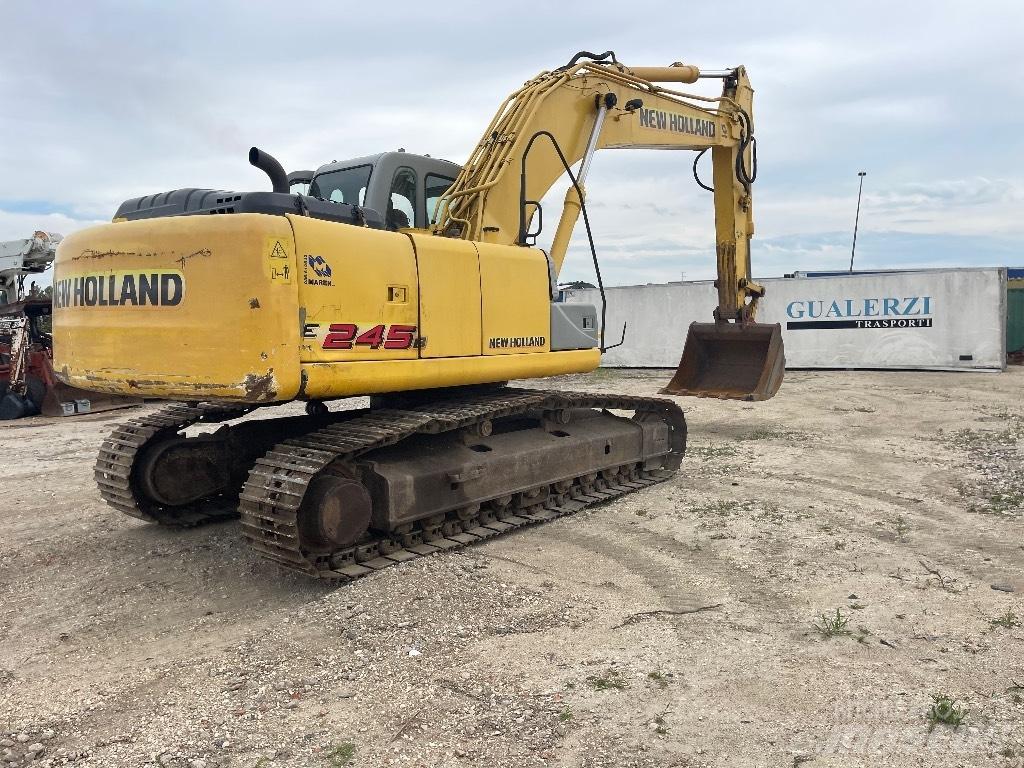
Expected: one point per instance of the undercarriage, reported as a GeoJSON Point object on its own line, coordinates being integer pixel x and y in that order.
{"type": "Point", "coordinates": [343, 494]}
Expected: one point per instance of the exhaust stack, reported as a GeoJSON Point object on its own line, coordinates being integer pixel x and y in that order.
{"type": "Point", "coordinates": [270, 166]}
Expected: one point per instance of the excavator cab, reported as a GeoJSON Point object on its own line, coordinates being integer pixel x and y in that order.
{"type": "Point", "coordinates": [730, 361]}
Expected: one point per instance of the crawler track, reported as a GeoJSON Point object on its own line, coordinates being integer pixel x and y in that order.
{"type": "Point", "coordinates": [117, 458]}
{"type": "Point", "coordinates": [272, 496]}
{"type": "Point", "coordinates": [270, 500]}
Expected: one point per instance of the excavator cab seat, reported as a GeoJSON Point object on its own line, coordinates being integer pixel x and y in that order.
{"type": "Point", "coordinates": [730, 361]}
{"type": "Point", "coordinates": [396, 219]}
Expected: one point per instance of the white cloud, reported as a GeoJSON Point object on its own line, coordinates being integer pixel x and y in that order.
{"type": "Point", "coordinates": [16, 226]}
{"type": "Point", "coordinates": [128, 99]}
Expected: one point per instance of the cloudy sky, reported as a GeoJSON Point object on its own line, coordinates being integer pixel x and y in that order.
{"type": "Point", "coordinates": [104, 101]}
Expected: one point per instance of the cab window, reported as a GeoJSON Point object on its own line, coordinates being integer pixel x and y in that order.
{"type": "Point", "coordinates": [434, 186]}
{"type": "Point", "coordinates": [401, 208]}
{"type": "Point", "coordinates": [347, 185]}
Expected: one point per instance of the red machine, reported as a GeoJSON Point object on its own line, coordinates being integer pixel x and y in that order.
{"type": "Point", "coordinates": [27, 383]}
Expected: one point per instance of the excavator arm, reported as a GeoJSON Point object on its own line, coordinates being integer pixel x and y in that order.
{"type": "Point", "coordinates": [559, 119]}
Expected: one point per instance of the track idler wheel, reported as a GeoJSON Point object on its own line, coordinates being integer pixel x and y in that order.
{"type": "Point", "coordinates": [335, 513]}
{"type": "Point", "coordinates": [179, 470]}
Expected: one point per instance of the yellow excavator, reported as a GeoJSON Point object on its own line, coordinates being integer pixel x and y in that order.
{"type": "Point", "coordinates": [417, 282]}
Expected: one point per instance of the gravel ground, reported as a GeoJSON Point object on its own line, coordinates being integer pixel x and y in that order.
{"type": "Point", "coordinates": [824, 566]}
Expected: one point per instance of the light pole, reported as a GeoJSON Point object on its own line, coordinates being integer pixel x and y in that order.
{"type": "Point", "coordinates": [856, 221]}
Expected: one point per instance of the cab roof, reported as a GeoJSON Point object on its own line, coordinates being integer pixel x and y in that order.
{"type": "Point", "coordinates": [377, 159]}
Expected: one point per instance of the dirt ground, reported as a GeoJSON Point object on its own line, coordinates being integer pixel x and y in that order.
{"type": "Point", "coordinates": [824, 565]}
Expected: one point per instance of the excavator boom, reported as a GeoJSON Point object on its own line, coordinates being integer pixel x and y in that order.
{"type": "Point", "coordinates": [560, 118]}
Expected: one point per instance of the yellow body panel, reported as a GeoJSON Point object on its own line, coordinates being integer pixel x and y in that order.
{"type": "Point", "coordinates": [262, 308]}
{"type": "Point", "coordinates": [449, 273]}
{"type": "Point", "coordinates": [516, 289]}
{"type": "Point", "coordinates": [327, 380]}
{"type": "Point", "coordinates": [354, 276]}
{"type": "Point", "coordinates": [220, 323]}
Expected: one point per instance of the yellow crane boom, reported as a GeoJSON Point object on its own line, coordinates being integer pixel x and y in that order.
{"type": "Point", "coordinates": [561, 118]}
{"type": "Point", "coordinates": [587, 106]}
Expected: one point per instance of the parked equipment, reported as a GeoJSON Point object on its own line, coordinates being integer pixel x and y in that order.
{"type": "Point", "coordinates": [416, 282]}
{"type": "Point", "coordinates": [27, 382]}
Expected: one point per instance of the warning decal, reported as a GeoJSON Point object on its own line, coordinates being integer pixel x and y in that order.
{"type": "Point", "coordinates": [278, 260]}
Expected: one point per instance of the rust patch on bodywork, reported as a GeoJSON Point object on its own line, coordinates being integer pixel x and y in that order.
{"type": "Point", "coordinates": [89, 253]}
{"type": "Point", "coordinates": [204, 252]}
{"type": "Point", "coordinates": [254, 388]}
{"type": "Point", "coordinates": [157, 383]}
{"type": "Point", "coordinates": [260, 387]}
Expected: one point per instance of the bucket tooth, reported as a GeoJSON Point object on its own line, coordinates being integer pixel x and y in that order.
{"type": "Point", "coordinates": [730, 361]}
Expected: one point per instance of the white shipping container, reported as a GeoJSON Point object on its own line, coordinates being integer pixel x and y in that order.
{"type": "Point", "coordinates": [941, 319]}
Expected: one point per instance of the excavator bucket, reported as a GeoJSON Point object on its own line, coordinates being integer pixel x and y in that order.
{"type": "Point", "coordinates": [730, 362]}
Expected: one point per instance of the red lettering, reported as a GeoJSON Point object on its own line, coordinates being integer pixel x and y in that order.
{"type": "Point", "coordinates": [347, 336]}
{"type": "Point", "coordinates": [400, 337]}
{"type": "Point", "coordinates": [372, 338]}
{"type": "Point", "coordinates": [340, 336]}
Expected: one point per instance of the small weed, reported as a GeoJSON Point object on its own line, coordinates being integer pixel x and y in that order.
{"type": "Point", "coordinates": [603, 373]}
{"type": "Point", "coordinates": [607, 682]}
{"type": "Point", "coordinates": [658, 678]}
{"type": "Point", "coordinates": [769, 433]}
{"type": "Point", "coordinates": [901, 527]}
{"type": "Point", "coordinates": [770, 513]}
{"type": "Point", "coordinates": [339, 755]}
{"type": "Point", "coordinates": [830, 626]}
{"type": "Point", "coordinates": [948, 583]}
{"type": "Point", "coordinates": [719, 508]}
{"type": "Point", "coordinates": [565, 715]}
{"type": "Point", "coordinates": [1008, 502]}
{"type": "Point", "coordinates": [1008, 620]}
{"type": "Point", "coordinates": [1007, 752]}
{"type": "Point", "coordinates": [662, 728]}
{"type": "Point", "coordinates": [946, 710]}
{"type": "Point", "coordinates": [993, 455]}
{"type": "Point", "coordinates": [838, 545]}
